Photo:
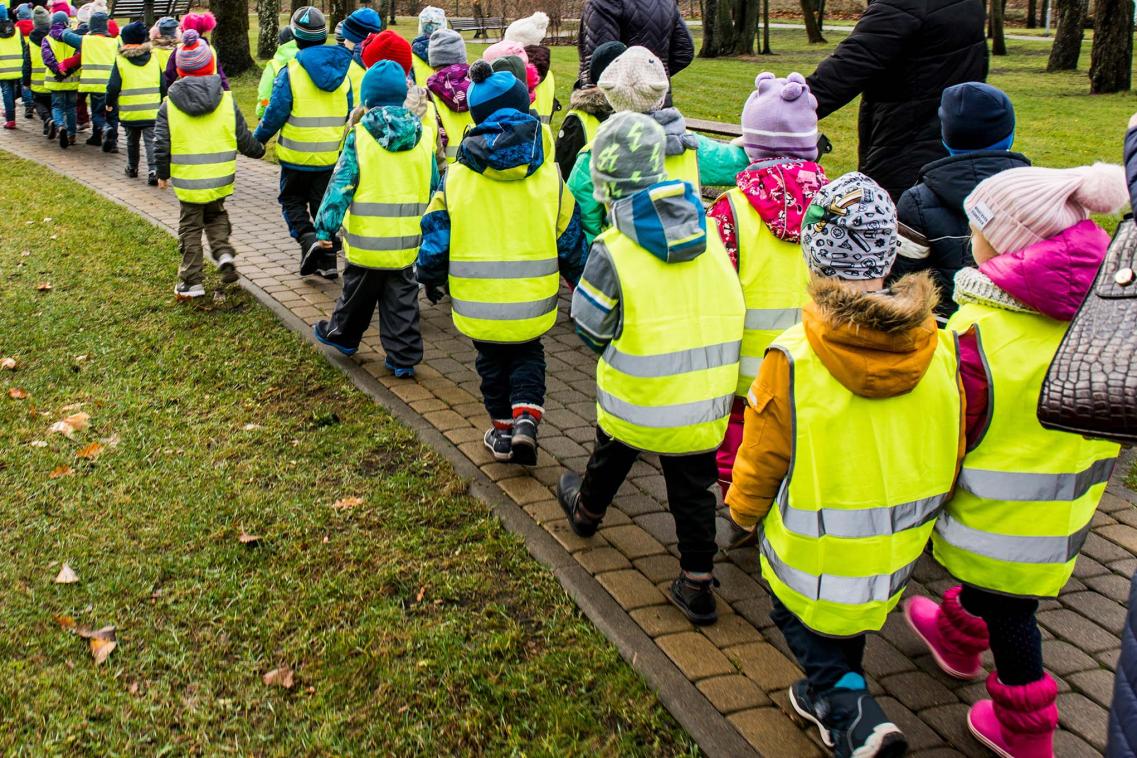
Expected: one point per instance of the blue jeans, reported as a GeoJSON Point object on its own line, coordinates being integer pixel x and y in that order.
{"type": "Point", "coordinates": [63, 110]}
{"type": "Point", "coordinates": [8, 91]}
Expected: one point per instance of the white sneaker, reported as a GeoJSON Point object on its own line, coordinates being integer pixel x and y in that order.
{"type": "Point", "coordinates": [228, 270]}
{"type": "Point", "coordinates": [188, 291]}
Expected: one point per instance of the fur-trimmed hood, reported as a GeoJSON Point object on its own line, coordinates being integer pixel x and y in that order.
{"type": "Point", "coordinates": [876, 344]}
{"type": "Point", "coordinates": [139, 55]}
{"type": "Point", "coordinates": [590, 100]}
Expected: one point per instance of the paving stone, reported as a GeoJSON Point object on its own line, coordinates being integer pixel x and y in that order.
{"type": "Point", "coordinates": [1086, 567]}
{"type": "Point", "coordinates": [773, 735]}
{"type": "Point", "coordinates": [476, 452]}
{"type": "Point", "coordinates": [763, 663]}
{"type": "Point", "coordinates": [426, 406]}
{"type": "Point", "coordinates": [695, 655]}
{"type": "Point", "coordinates": [735, 584]}
{"type": "Point", "coordinates": [658, 568]}
{"type": "Point", "coordinates": [756, 611]}
{"type": "Point", "coordinates": [653, 486]}
{"type": "Point", "coordinates": [920, 736]}
{"type": "Point", "coordinates": [882, 659]}
{"type": "Point", "coordinates": [467, 434]}
{"type": "Point", "coordinates": [1126, 515]}
{"type": "Point", "coordinates": [657, 620]}
{"type": "Point", "coordinates": [564, 534]}
{"type": "Point", "coordinates": [731, 630]}
{"type": "Point", "coordinates": [524, 489]}
{"type": "Point", "coordinates": [1068, 745]}
{"type": "Point", "coordinates": [630, 589]}
{"type": "Point", "coordinates": [1096, 684]}
{"type": "Point", "coordinates": [661, 526]}
{"type": "Point", "coordinates": [936, 752]}
{"type": "Point", "coordinates": [562, 447]}
{"type": "Point", "coordinates": [1100, 519]}
{"type": "Point", "coordinates": [546, 510]}
{"type": "Point", "coordinates": [1073, 627]}
{"type": "Point", "coordinates": [408, 392]}
{"type": "Point", "coordinates": [1107, 551]}
{"type": "Point", "coordinates": [498, 471]}
{"type": "Point", "coordinates": [733, 693]}
{"type": "Point", "coordinates": [1110, 503]}
{"type": "Point", "coordinates": [1101, 609]}
{"type": "Point", "coordinates": [1125, 567]}
{"type": "Point", "coordinates": [1084, 718]}
{"type": "Point", "coordinates": [602, 559]}
{"type": "Point", "coordinates": [1063, 658]}
{"type": "Point", "coordinates": [1122, 534]}
{"type": "Point", "coordinates": [1108, 658]}
{"type": "Point", "coordinates": [918, 690]}
{"type": "Point", "coordinates": [632, 541]}
{"type": "Point", "coordinates": [950, 721]}
{"type": "Point", "coordinates": [1114, 587]}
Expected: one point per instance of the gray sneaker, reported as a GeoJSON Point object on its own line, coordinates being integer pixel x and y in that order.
{"type": "Point", "coordinates": [188, 291]}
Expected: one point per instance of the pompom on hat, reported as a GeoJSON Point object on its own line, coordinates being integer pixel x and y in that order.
{"type": "Point", "coordinates": [202, 23]}
{"type": "Point", "coordinates": [492, 91]}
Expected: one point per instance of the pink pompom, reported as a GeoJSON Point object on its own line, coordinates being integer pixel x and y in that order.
{"type": "Point", "coordinates": [202, 23]}
{"type": "Point", "coordinates": [1103, 188]}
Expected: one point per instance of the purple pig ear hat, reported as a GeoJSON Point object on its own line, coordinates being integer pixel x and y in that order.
{"type": "Point", "coordinates": [779, 119]}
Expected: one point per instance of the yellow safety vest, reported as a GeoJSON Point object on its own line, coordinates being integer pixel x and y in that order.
{"type": "Point", "coordinates": [313, 133]}
{"type": "Point", "coordinates": [98, 62]}
{"type": "Point", "coordinates": [455, 125]}
{"type": "Point", "coordinates": [141, 93]}
{"type": "Point", "coordinates": [61, 51]}
{"type": "Point", "coordinates": [355, 74]}
{"type": "Point", "coordinates": [665, 384]}
{"type": "Point", "coordinates": [504, 273]}
{"type": "Point", "coordinates": [12, 56]}
{"type": "Point", "coordinates": [163, 55]}
{"type": "Point", "coordinates": [203, 152]}
{"type": "Point", "coordinates": [39, 70]}
{"type": "Point", "coordinates": [684, 166]}
{"type": "Point", "coordinates": [588, 122]}
{"type": "Point", "coordinates": [422, 70]}
{"type": "Point", "coordinates": [1026, 494]}
{"type": "Point", "coordinates": [866, 481]}
{"type": "Point", "coordinates": [382, 226]}
{"type": "Point", "coordinates": [430, 126]}
{"type": "Point", "coordinates": [545, 98]}
{"type": "Point", "coordinates": [775, 283]}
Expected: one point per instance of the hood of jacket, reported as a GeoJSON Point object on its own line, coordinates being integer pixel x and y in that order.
{"type": "Point", "coordinates": [393, 126]}
{"type": "Point", "coordinates": [37, 35]}
{"type": "Point", "coordinates": [953, 178]}
{"type": "Point", "coordinates": [170, 43]}
{"type": "Point", "coordinates": [590, 100]}
{"type": "Point", "coordinates": [196, 95]}
{"type": "Point", "coordinates": [286, 52]}
{"type": "Point", "coordinates": [417, 99]}
{"type": "Point", "coordinates": [139, 55]}
{"type": "Point", "coordinates": [666, 219]}
{"type": "Point", "coordinates": [1052, 276]}
{"type": "Point", "coordinates": [780, 190]}
{"type": "Point", "coordinates": [675, 127]}
{"type": "Point", "coordinates": [327, 65]}
{"type": "Point", "coordinates": [450, 85]}
{"type": "Point", "coordinates": [506, 146]}
{"type": "Point", "coordinates": [420, 46]}
{"type": "Point", "coordinates": [876, 344]}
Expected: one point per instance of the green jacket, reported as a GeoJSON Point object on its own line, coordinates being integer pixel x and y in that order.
{"type": "Point", "coordinates": [284, 53]}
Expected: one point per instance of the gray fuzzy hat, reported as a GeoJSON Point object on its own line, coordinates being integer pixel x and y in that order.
{"type": "Point", "coordinates": [446, 48]}
{"type": "Point", "coordinates": [849, 230]}
{"type": "Point", "coordinates": [41, 19]}
{"type": "Point", "coordinates": [627, 156]}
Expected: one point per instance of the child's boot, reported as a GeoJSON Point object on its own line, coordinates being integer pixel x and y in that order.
{"type": "Point", "coordinates": [225, 265]}
{"type": "Point", "coordinates": [695, 597]}
{"type": "Point", "coordinates": [581, 520]}
{"type": "Point", "coordinates": [10, 123]}
{"type": "Point", "coordinates": [850, 720]}
{"type": "Point", "coordinates": [131, 172]}
{"type": "Point", "coordinates": [64, 139]}
{"type": "Point", "coordinates": [955, 637]}
{"type": "Point", "coordinates": [184, 291]}
{"type": "Point", "coordinates": [1018, 721]}
{"type": "Point", "coordinates": [499, 439]}
{"type": "Point", "coordinates": [96, 138]}
{"type": "Point", "coordinates": [525, 420]}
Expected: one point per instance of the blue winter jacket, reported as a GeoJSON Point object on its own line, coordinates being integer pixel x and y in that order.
{"type": "Point", "coordinates": [327, 65]}
{"type": "Point", "coordinates": [1123, 712]}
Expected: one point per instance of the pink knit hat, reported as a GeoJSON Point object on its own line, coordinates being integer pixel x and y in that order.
{"type": "Point", "coordinates": [504, 48]}
{"type": "Point", "coordinates": [780, 118]}
{"type": "Point", "coordinates": [1021, 206]}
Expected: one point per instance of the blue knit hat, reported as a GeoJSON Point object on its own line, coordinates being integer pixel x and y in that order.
{"type": "Point", "coordinates": [385, 83]}
{"type": "Point", "coordinates": [490, 92]}
{"type": "Point", "coordinates": [976, 116]}
{"type": "Point", "coordinates": [24, 11]}
{"type": "Point", "coordinates": [358, 25]}
{"type": "Point", "coordinates": [59, 18]}
{"type": "Point", "coordinates": [3, 12]}
{"type": "Point", "coordinates": [98, 23]}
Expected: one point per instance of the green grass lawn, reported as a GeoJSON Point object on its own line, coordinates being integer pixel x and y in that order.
{"type": "Point", "coordinates": [413, 622]}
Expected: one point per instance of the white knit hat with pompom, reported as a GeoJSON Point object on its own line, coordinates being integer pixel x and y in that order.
{"type": "Point", "coordinates": [529, 30]}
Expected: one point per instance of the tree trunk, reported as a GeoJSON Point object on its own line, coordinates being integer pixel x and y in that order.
{"type": "Point", "coordinates": [812, 30]}
{"type": "Point", "coordinates": [1111, 58]}
{"type": "Point", "coordinates": [766, 28]}
{"type": "Point", "coordinates": [268, 16]}
{"type": "Point", "coordinates": [1067, 45]}
{"type": "Point", "coordinates": [998, 39]}
{"type": "Point", "coordinates": [1030, 11]}
{"type": "Point", "coordinates": [231, 37]}
{"type": "Point", "coordinates": [295, 6]}
{"type": "Point", "coordinates": [338, 10]}
{"type": "Point", "coordinates": [729, 27]}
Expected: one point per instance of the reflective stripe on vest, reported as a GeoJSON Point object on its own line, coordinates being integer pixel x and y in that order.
{"type": "Point", "coordinates": [98, 62]}
{"type": "Point", "coordinates": [1026, 494]}
{"type": "Point", "coordinates": [313, 133]}
{"type": "Point", "coordinates": [503, 253]}
{"type": "Point", "coordinates": [859, 503]}
{"type": "Point", "coordinates": [39, 69]}
{"type": "Point", "coordinates": [382, 226]}
{"type": "Point", "coordinates": [12, 56]}
{"type": "Point", "coordinates": [665, 384]}
{"type": "Point", "coordinates": [544, 100]}
{"type": "Point", "coordinates": [203, 152]}
{"type": "Point", "coordinates": [455, 125]}
{"type": "Point", "coordinates": [61, 51]}
{"type": "Point", "coordinates": [141, 93]}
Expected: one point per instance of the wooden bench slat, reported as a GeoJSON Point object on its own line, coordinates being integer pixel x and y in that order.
{"type": "Point", "coordinates": [714, 127]}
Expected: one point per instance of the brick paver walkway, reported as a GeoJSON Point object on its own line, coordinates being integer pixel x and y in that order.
{"type": "Point", "coordinates": [741, 665]}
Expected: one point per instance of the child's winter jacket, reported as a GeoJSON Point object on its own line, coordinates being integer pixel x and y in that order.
{"type": "Point", "coordinates": [284, 53]}
{"type": "Point", "coordinates": [135, 55]}
{"type": "Point", "coordinates": [584, 102]}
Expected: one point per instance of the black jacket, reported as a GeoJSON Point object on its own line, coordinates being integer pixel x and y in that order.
{"type": "Point", "coordinates": [654, 24]}
{"type": "Point", "coordinates": [901, 56]}
{"type": "Point", "coordinates": [1123, 711]}
{"type": "Point", "coordinates": [934, 207]}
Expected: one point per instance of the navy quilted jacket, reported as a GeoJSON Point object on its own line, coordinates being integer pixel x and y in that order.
{"type": "Point", "coordinates": [1123, 713]}
{"type": "Point", "coordinates": [654, 24]}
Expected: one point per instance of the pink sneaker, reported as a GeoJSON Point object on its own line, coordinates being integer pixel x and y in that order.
{"type": "Point", "coordinates": [955, 637]}
{"type": "Point", "coordinates": [9, 124]}
{"type": "Point", "coordinates": [1018, 722]}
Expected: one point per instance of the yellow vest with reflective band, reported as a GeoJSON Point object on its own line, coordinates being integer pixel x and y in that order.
{"type": "Point", "coordinates": [141, 92]}
{"type": "Point", "coordinates": [203, 152]}
{"type": "Point", "coordinates": [355, 74]}
{"type": "Point", "coordinates": [61, 51]}
{"type": "Point", "coordinates": [1026, 494]}
{"type": "Point", "coordinates": [163, 55]}
{"type": "Point", "coordinates": [422, 70]}
{"type": "Point", "coordinates": [12, 57]}
{"type": "Point", "coordinates": [98, 61]}
{"type": "Point", "coordinates": [665, 384]}
{"type": "Point", "coordinates": [775, 282]}
{"type": "Point", "coordinates": [314, 131]}
{"type": "Point", "coordinates": [866, 481]}
{"type": "Point", "coordinates": [455, 125]}
{"type": "Point", "coordinates": [588, 122]}
{"type": "Point", "coordinates": [504, 273]}
{"type": "Point", "coordinates": [39, 69]}
{"type": "Point", "coordinates": [545, 98]}
{"type": "Point", "coordinates": [430, 126]}
{"type": "Point", "coordinates": [382, 226]}
{"type": "Point", "coordinates": [684, 166]}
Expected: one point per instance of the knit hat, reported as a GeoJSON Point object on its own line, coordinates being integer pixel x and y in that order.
{"type": "Point", "coordinates": [23, 11]}
{"type": "Point", "coordinates": [602, 57]}
{"type": "Point", "coordinates": [430, 20]}
{"type": "Point", "coordinates": [98, 23]}
{"type": "Point", "coordinates": [284, 36]}
{"type": "Point", "coordinates": [849, 230]}
{"type": "Point", "coordinates": [4, 13]}
{"type": "Point", "coordinates": [309, 25]}
{"type": "Point", "coordinates": [61, 6]}
{"type": "Point", "coordinates": [504, 48]}
{"type": "Point", "coordinates": [446, 49]}
{"type": "Point", "coordinates": [385, 83]}
{"type": "Point", "coordinates": [338, 33]}
{"type": "Point", "coordinates": [1021, 206]}
{"type": "Point", "coordinates": [513, 65]}
{"type": "Point", "coordinates": [780, 118]}
{"type": "Point", "coordinates": [635, 81]}
{"type": "Point", "coordinates": [135, 33]}
{"type": "Point", "coordinates": [386, 46]}
{"type": "Point", "coordinates": [167, 26]}
{"type": "Point", "coordinates": [59, 18]}
{"type": "Point", "coordinates": [41, 19]}
{"type": "Point", "coordinates": [194, 56]}
{"type": "Point", "coordinates": [202, 23]}
{"type": "Point", "coordinates": [540, 59]}
{"type": "Point", "coordinates": [976, 116]}
{"type": "Point", "coordinates": [528, 31]}
{"type": "Point", "coordinates": [490, 92]}
{"type": "Point", "coordinates": [359, 24]}
{"type": "Point", "coordinates": [627, 156]}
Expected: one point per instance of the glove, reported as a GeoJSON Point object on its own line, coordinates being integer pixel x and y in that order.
{"type": "Point", "coordinates": [740, 536]}
{"type": "Point", "coordinates": [434, 293]}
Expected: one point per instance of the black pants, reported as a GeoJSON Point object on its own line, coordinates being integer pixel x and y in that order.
{"type": "Point", "coordinates": [824, 659]}
{"type": "Point", "coordinates": [512, 374]}
{"type": "Point", "coordinates": [300, 195]}
{"type": "Point", "coordinates": [42, 103]}
{"type": "Point", "coordinates": [396, 295]}
{"type": "Point", "coordinates": [689, 479]}
{"type": "Point", "coordinates": [1016, 642]}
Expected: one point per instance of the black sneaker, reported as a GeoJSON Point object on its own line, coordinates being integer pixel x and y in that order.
{"type": "Point", "coordinates": [29, 112]}
{"type": "Point", "coordinates": [227, 268]}
{"type": "Point", "coordinates": [132, 173]}
{"type": "Point", "coordinates": [851, 722]}
{"type": "Point", "coordinates": [95, 140]}
{"type": "Point", "coordinates": [568, 495]}
{"type": "Point", "coordinates": [110, 145]}
{"type": "Point", "coordinates": [311, 260]}
{"type": "Point", "coordinates": [695, 599]}
{"type": "Point", "coordinates": [64, 139]}
{"type": "Point", "coordinates": [499, 443]}
{"type": "Point", "coordinates": [50, 130]}
{"type": "Point", "coordinates": [525, 440]}
{"type": "Point", "coordinates": [152, 179]}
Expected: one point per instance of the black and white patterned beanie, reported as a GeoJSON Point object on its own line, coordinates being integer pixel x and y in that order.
{"type": "Point", "coordinates": [849, 231]}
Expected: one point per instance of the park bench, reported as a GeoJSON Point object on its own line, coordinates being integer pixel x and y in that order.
{"type": "Point", "coordinates": [477, 25]}
{"type": "Point", "coordinates": [137, 9]}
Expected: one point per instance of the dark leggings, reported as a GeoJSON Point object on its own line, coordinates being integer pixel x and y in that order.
{"type": "Point", "coordinates": [1015, 640]}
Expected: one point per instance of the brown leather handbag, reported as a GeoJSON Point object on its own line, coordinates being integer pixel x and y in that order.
{"type": "Point", "coordinates": [1091, 386]}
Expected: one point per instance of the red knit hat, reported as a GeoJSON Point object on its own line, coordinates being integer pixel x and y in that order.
{"type": "Point", "coordinates": [387, 46]}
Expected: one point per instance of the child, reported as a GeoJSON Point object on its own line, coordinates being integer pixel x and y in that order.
{"type": "Point", "coordinates": [203, 24]}
{"type": "Point", "coordinates": [588, 108]}
{"type": "Point", "coordinates": [430, 20]}
{"type": "Point", "coordinates": [285, 51]}
{"type": "Point", "coordinates": [978, 126]}
{"type": "Point", "coordinates": [98, 49]}
{"type": "Point", "coordinates": [666, 316]}
{"type": "Point", "coordinates": [62, 78]}
{"type": "Point", "coordinates": [164, 38]}
{"type": "Point", "coordinates": [390, 46]}
{"type": "Point", "coordinates": [357, 27]}
{"type": "Point", "coordinates": [759, 225]}
{"type": "Point", "coordinates": [136, 90]}
{"type": "Point", "coordinates": [380, 189]}
{"type": "Point", "coordinates": [12, 57]}
{"type": "Point", "coordinates": [853, 436]}
{"type": "Point", "coordinates": [26, 25]}
{"type": "Point", "coordinates": [198, 133]}
{"type": "Point", "coordinates": [448, 88]}
{"type": "Point", "coordinates": [310, 103]}
{"type": "Point", "coordinates": [1022, 508]}
{"type": "Point", "coordinates": [38, 72]}
{"type": "Point", "coordinates": [499, 230]}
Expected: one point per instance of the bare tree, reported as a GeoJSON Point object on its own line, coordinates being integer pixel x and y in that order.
{"type": "Point", "coordinates": [338, 10]}
{"type": "Point", "coordinates": [231, 37]}
{"type": "Point", "coordinates": [998, 37]}
{"type": "Point", "coordinates": [268, 17]}
{"type": "Point", "coordinates": [1111, 58]}
{"type": "Point", "coordinates": [1030, 11]}
{"type": "Point", "coordinates": [728, 27]}
{"type": "Point", "coordinates": [295, 6]}
{"type": "Point", "coordinates": [1067, 47]}
{"type": "Point", "coordinates": [766, 28]}
{"type": "Point", "coordinates": [812, 27]}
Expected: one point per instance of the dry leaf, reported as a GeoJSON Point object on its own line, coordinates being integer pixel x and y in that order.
{"type": "Point", "coordinates": [80, 358]}
{"type": "Point", "coordinates": [102, 642]}
{"type": "Point", "coordinates": [16, 393]}
{"type": "Point", "coordinates": [281, 677]}
{"type": "Point", "coordinates": [347, 502]}
{"type": "Point", "coordinates": [133, 688]}
{"type": "Point", "coordinates": [251, 426]}
{"type": "Point", "coordinates": [38, 443]}
{"type": "Point", "coordinates": [110, 442]}
{"type": "Point", "coordinates": [47, 219]}
{"type": "Point", "coordinates": [71, 408]}
{"type": "Point", "coordinates": [8, 364]}
{"type": "Point", "coordinates": [44, 287]}
{"type": "Point", "coordinates": [91, 451]}
{"type": "Point", "coordinates": [60, 470]}
{"type": "Point", "coordinates": [76, 422]}
{"type": "Point", "coordinates": [248, 539]}
{"type": "Point", "coordinates": [421, 594]}
{"type": "Point", "coordinates": [54, 237]}
{"type": "Point", "coordinates": [66, 575]}
{"type": "Point", "coordinates": [65, 622]}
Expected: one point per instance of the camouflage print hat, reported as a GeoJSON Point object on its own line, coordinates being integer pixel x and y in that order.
{"type": "Point", "coordinates": [849, 230]}
{"type": "Point", "coordinates": [627, 156]}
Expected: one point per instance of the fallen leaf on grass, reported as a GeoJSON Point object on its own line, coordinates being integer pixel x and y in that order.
{"type": "Point", "coordinates": [47, 219]}
{"type": "Point", "coordinates": [110, 442]}
{"type": "Point", "coordinates": [248, 539]}
{"type": "Point", "coordinates": [251, 426]}
{"type": "Point", "coordinates": [133, 688]}
{"type": "Point", "coordinates": [54, 237]}
{"type": "Point", "coordinates": [90, 452]}
{"type": "Point", "coordinates": [347, 502]}
{"type": "Point", "coordinates": [66, 575]}
{"type": "Point", "coordinates": [421, 594]}
{"type": "Point", "coordinates": [44, 287]}
{"type": "Point", "coordinates": [60, 470]}
{"type": "Point", "coordinates": [8, 364]}
{"type": "Point", "coordinates": [102, 642]}
{"type": "Point", "coordinates": [16, 393]}
{"type": "Point", "coordinates": [38, 443]}
{"type": "Point", "coordinates": [281, 677]}
{"type": "Point", "coordinates": [65, 622]}
{"type": "Point", "coordinates": [71, 408]}
{"type": "Point", "coordinates": [76, 422]}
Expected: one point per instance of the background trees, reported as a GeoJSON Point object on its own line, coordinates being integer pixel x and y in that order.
{"type": "Point", "coordinates": [231, 37]}
{"type": "Point", "coordinates": [268, 18]}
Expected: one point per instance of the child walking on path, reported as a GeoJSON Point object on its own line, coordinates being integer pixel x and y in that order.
{"type": "Point", "coordinates": [136, 89]}
{"type": "Point", "coordinates": [97, 48]}
{"type": "Point", "coordinates": [759, 224]}
{"type": "Point", "coordinates": [62, 78]}
{"type": "Point", "coordinates": [198, 133]}
{"type": "Point", "coordinates": [378, 193]}
{"type": "Point", "coordinates": [499, 230]}
{"type": "Point", "coordinates": [449, 87]}
{"type": "Point", "coordinates": [41, 95]}
{"type": "Point", "coordinates": [14, 68]}
{"type": "Point", "coordinates": [1026, 494]}
{"type": "Point", "coordinates": [853, 436]}
{"type": "Point", "coordinates": [666, 314]}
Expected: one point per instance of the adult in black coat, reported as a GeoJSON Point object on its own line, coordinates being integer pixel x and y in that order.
{"type": "Point", "coordinates": [654, 24]}
{"type": "Point", "coordinates": [901, 56]}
